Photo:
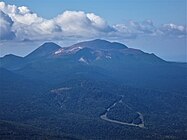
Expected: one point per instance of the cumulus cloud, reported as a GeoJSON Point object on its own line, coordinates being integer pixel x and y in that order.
{"type": "Point", "coordinates": [173, 30]}
{"type": "Point", "coordinates": [123, 31]}
{"type": "Point", "coordinates": [145, 27]}
{"type": "Point", "coordinates": [6, 23]}
{"type": "Point", "coordinates": [99, 23]}
{"type": "Point", "coordinates": [74, 23]}
{"type": "Point", "coordinates": [28, 25]}
{"type": "Point", "coordinates": [21, 23]}
{"type": "Point", "coordinates": [78, 23]}
{"type": "Point", "coordinates": [137, 28]}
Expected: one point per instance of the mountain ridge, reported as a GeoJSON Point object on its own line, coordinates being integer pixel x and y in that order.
{"type": "Point", "coordinates": [95, 87]}
{"type": "Point", "coordinates": [50, 49]}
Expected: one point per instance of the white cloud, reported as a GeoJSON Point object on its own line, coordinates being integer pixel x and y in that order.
{"type": "Point", "coordinates": [173, 30]}
{"type": "Point", "coordinates": [99, 23]}
{"type": "Point", "coordinates": [6, 22]}
{"type": "Point", "coordinates": [74, 23]}
{"type": "Point", "coordinates": [145, 27]}
{"type": "Point", "coordinates": [20, 14]}
{"type": "Point", "coordinates": [25, 24]}
{"type": "Point", "coordinates": [123, 31]}
{"type": "Point", "coordinates": [135, 29]}
{"type": "Point", "coordinates": [23, 10]}
{"type": "Point", "coordinates": [28, 25]}
{"type": "Point", "coordinates": [78, 23]}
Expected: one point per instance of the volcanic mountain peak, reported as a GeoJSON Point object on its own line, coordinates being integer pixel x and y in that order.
{"type": "Point", "coordinates": [44, 50]}
{"type": "Point", "coordinates": [87, 52]}
{"type": "Point", "coordinates": [100, 44]}
{"type": "Point", "coordinates": [95, 45]}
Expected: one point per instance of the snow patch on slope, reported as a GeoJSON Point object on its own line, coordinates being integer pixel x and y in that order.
{"type": "Point", "coordinates": [68, 50]}
{"type": "Point", "coordinates": [108, 57]}
{"type": "Point", "coordinates": [83, 60]}
{"type": "Point", "coordinates": [59, 51]}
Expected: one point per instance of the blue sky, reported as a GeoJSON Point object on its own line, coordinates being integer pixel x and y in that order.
{"type": "Point", "coordinates": [114, 11]}
{"type": "Point", "coordinates": [157, 26]}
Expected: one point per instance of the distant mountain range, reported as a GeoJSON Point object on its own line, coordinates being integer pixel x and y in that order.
{"type": "Point", "coordinates": [98, 59]}
{"type": "Point", "coordinates": [66, 91]}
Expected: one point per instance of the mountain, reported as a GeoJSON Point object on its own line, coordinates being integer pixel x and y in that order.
{"type": "Point", "coordinates": [92, 50]}
{"type": "Point", "coordinates": [110, 60]}
{"type": "Point", "coordinates": [100, 44]}
{"type": "Point", "coordinates": [93, 90]}
{"type": "Point", "coordinates": [45, 50]}
{"type": "Point", "coordinates": [10, 61]}
{"type": "Point", "coordinates": [101, 50]}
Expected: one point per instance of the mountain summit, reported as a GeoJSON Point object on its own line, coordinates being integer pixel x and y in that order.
{"type": "Point", "coordinates": [96, 50]}
{"type": "Point", "coordinates": [89, 52]}
{"type": "Point", "coordinates": [96, 59]}
{"type": "Point", "coordinates": [100, 44]}
{"type": "Point", "coordinates": [44, 50]}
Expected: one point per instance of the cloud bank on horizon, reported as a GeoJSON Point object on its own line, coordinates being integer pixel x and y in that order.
{"type": "Point", "coordinates": [21, 24]}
